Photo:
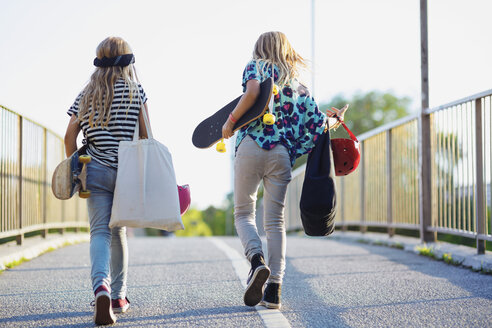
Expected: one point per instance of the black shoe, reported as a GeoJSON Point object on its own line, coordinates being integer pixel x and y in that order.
{"type": "Point", "coordinates": [271, 298]}
{"type": "Point", "coordinates": [258, 275]}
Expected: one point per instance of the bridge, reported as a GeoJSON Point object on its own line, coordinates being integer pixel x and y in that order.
{"type": "Point", "coordinates": [423, 181]}
{"type": "Point", "coordinates": [199, 282]}
{"type": "Point", "coordinates": [345, 280]}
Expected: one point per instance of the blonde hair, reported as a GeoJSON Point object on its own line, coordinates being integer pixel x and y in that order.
{"type": "Point", "coordinates": [99, 92]}
{"type": "Point", "coordinates": [274, 48]}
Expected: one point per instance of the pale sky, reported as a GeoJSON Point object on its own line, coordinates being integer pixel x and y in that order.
{"type": "Point", "coordinates": [190, 56]}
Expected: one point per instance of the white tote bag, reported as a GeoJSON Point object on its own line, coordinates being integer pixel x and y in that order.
{"type": "Point", "coordinates": [146, 193]}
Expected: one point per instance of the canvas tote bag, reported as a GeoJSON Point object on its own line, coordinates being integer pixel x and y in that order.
{"type": "Point", "coordinates": [145, 194]}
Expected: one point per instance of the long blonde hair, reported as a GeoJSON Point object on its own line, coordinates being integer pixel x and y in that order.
{"type": "Point", "coordinates": [99, 92]}
{"type": "Point", "coordinates": [274, 48]}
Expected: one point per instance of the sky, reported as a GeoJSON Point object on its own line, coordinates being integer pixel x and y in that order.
{"type": "Point", "coordinates": [190, 55]}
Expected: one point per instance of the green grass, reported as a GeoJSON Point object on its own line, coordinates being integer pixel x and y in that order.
{"type": "Point", "coordinates": [397, 245]}
{"type": "Point", "coordinates": [15, 263]}
{"type": "Point", "coordinates": [448, 258]}
{"type": "Point", "coordinates": [426, 251]}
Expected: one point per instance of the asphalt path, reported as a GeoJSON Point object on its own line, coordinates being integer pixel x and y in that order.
{"type": "Point", "coordinates": [192, 282]}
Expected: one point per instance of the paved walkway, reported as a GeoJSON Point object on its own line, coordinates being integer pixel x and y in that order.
{"type": "Point", "coordinates": [197, 282]}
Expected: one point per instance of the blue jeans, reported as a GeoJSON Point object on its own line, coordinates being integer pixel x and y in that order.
{"type": "Point", "coordinates": [108, 247]}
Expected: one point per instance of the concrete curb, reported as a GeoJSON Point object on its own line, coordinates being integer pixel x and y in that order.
{"type": "Point", "coordinates": [35, 246]}
{"type": "Point", "coordinates": [450, 253]}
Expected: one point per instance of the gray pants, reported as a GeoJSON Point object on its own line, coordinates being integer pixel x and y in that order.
{"type": "Point", "coordinates": [252, 165]}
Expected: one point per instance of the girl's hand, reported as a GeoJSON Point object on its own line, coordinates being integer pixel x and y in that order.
{"type": "Point", "coordinates": [227, 129]}
{"type": "Point", "coordinates": [337, 112]}
{"type": "Point", "coordinates": [333, 113]}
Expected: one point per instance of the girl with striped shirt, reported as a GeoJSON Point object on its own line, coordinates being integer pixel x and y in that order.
{"type": "Point", "coordinates": [107, 111]}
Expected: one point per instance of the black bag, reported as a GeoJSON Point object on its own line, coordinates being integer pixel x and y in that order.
{"type": "Point", "coordinates": [318, 197]}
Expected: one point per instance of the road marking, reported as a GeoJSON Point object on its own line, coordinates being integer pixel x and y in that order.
{"type": "Point", "coordinates": [272, 318]}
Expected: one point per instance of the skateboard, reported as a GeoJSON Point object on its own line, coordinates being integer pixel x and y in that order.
{"type": "Point", "coordinates": [70, 176]}
{"type": "Point", "coordinates": [209, 131]}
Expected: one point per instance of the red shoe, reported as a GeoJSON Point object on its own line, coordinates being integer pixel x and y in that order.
{"type": "Point", "coordinates": [103, 314]}
{"type": "Point", "coordinates": [120, 305]}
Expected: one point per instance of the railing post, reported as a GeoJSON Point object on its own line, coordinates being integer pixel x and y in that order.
{"type": "Point", "coordinates": [389, 183]}
{"type": "Point", "coordinates": [341, 203]}
{"type": "Point", "coordinates": [63, 204]}
{"type": "Point", "coordinates": [425, 151]}
{"type": "Point", "coordinates": [44, 232]}
{"type": "Point", "coordinates": [20, 237]}
{"type": "Point", "coordinates": [479, 185]}
{"type": "Point", "coordinates": [363, 227]}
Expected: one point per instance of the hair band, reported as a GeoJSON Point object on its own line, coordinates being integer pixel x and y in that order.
{"type": "Point", "coordinates": [122, 61]}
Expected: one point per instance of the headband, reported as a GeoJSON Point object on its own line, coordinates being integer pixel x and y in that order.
{"type": "Point", "coordinates": [122, 60]}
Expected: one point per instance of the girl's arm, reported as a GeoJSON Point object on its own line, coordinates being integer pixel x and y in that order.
{"type": "Point", "coordinates": [71, 134]}
{"type": "Point", "coordinates": [141, 123]}
{"type": "Point", "coordinates": [245, 103]}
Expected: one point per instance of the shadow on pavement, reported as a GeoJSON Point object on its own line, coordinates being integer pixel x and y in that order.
{"type": "Point", "coordinates": [204, 314]}
{"type": "Point", "coordinates": [33, 318]}
{"type": "Point", "coordinates": [464, 278]}
{"type": "Point", "coordinates": [297, 285]}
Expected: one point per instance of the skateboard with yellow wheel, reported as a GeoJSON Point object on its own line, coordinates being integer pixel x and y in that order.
{"type": "Point", "coordinates": [209, 131]}
{"type": "Point", "coordinates": [70, 176]}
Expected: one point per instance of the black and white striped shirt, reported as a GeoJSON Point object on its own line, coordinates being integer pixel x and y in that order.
{"type": "Point", "coordinates": [103, 142]}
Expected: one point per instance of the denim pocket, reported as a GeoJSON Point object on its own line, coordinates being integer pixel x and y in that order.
{"type": "Point", "coordinates": [100, 177]}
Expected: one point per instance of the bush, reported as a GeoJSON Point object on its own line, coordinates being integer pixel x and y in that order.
{"type": "Point", "coordinates": [194, 225]}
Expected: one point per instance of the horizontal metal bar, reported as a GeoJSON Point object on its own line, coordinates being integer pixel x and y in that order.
{"type": "Point", "coordinates": [388, 126]}
{"type": "Point", "coordinates": [298, 171]}
{"type": "Point", "coordinates": [484, 237]}
{"type": "Point", "coordinates": [461, 233]}
{"type": "Point", "coordinates": [25, 179]}
{"type": "Point", "coordinates": [456, 232]}
{"type": "Point", "coordinates": [30, 120]}
{"type": "Point", "coordinates": [379, 225]}
{"type": "Point", "coordinates": [405, 226]}
{"type": "Point", "coordinates": [460, 101]}
{"type": "Point", "coordinates": [39, 227]}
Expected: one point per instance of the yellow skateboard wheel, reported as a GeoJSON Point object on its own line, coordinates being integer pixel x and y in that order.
{"type": "Point", "coordinates": [221, 147]}
{"type": "Point", "coordinates": [269, 119]}
{"type": "Point", "coordinates": [275, 90]}
{"type": "Point", "coordinates": [84, 193]}
{"type": "Point", "coordinates": [85, 159]}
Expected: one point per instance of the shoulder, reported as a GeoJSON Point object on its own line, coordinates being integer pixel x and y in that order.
{"type": "Point", "coordinates": [251, 66]}
{"type": "Point", "coordinates": [78, 99]}
{"type": "Point", "coordinates": [79, 96]}
{"type": "Point", "coordinates": [251, 72]}
{"type": "Point", "coordinates": [302, 90]}
{"type": "Point", "coordinates": [74, 109]}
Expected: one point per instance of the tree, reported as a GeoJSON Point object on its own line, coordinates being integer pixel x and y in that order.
{"type": "Point", "coordinates": [215, 218]}
{"type": "Point", "coordinates": [370, 110]}
{"type": "Point", "coordinates": [194, 225]}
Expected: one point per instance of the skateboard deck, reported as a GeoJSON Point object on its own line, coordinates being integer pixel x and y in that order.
{"type": "Point", "coordinates": [70, 176]}
{"type": "Point", "coordinates": [209, 131]}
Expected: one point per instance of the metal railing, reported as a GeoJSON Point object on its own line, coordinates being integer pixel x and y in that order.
{"type": "Point", "coordinates": [385, 189]}
{"type": "Point", "coordinates": [29, 154]}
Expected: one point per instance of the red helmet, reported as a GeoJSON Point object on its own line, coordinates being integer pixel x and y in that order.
{"type": "Point", "coordinates": [346, 152]}
{"type": "Point", "coordinates": [184, 198]}
{"type": "Point", "coordinates": [346, 155]}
